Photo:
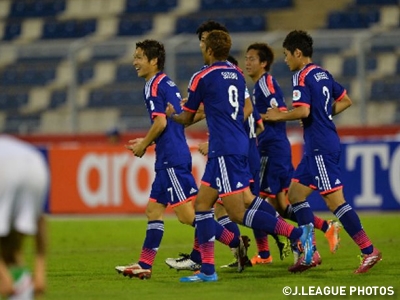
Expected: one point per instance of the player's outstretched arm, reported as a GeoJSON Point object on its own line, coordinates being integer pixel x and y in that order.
{"type": "Point", "coordinates": [341, 105]}
{"type": "Point", "coordinates": [184, 118]}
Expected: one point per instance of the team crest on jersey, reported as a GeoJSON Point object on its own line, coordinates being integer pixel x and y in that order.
{"type": "Point", "coordinates": [273, 103]}
{"type": "Point", "coordinates": [296, 95]}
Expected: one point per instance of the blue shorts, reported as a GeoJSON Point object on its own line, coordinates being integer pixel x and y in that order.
{"type": "Point", "coordinates": [227, 174]}
{"type": "Point", "coordinates": [173, 186]}
{"type": "Point", "coordinates": [320, 172]}
{"type": "Point", "coordinates": [275, 174]}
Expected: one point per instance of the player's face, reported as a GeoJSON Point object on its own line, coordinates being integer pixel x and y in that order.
{"type": "Point", "coordinates": [254, 67]}
{"type": "Point", "coordinates": [144, 68]}
{"type": "Point", "coordinates": [203, 47]}
{"type": "Point", "coordinates": [292, 60]}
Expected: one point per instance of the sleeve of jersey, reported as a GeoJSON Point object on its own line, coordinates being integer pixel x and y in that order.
{"type": "Point", "coordinates": [338, 91]}
{"type": "Point", "coordinates": [157, 99]}
{"type": "Point", "coordinates": [278, 95]}
{"type": "Point", "coordinates": [256, 115]}
{"type": "Point", "coordinates": [195, 97]}
{"type": "Point", "coordinates": [301, 93]}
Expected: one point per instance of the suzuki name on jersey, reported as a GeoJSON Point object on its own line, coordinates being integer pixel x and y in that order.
{"type": "Point", "coordinates": [320, 76]}
{"type": "Point", "coordinates": [229, 75]}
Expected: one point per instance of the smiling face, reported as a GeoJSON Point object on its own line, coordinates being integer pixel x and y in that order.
{"type": "Point", "coordinates": [203, 47]}
{"type": "Point", "coordinates": [255, 69]}
{"type": "Point", "coordinates": [144, 68]}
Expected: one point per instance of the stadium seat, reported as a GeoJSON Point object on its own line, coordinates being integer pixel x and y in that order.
{"type": "Point", "coordinates": [21, 124]}
{"type": "Point", "coordinates": [134, 25]}
{"type": "Point", "coordinates": [126, 73]}
{"type": "Point", "coordinates": [247, 4]}
{"type": "Point", "coordinates": [68, 29]}
{"type": "Point", "coordinates": [235, 23]}
{"type": "Point", "coordinates": [140, 6]}
{"type": "Point", "coordinates": [385, 89]}
{"type": "Point", "coordinates": [58, 98]}
{"type": "Point", "coordinates": [13, 101]}
{"type": "Point", "coordinates": [38, 8]}
{"type": "Point", "coordinates": [12, 30]}
{"type": "Point", "coordinates": [353, 19]}
{"type": "Point", "coordinates": [85, 72]}
{"type": "Point", "coordinates": [350, 65]}
{"type": "Point", "coordinates": [377, 2]}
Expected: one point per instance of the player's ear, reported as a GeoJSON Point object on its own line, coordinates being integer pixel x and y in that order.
{"type": "Point", "coordinates": [154, 61]}
{"type": "Point", "coordinates": [298, 53]}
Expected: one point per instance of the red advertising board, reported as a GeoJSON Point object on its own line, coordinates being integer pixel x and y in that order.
{"type": "Point", "coordinates": [93, 179]}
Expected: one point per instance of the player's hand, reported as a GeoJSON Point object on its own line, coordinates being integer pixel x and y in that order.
{"type": "Point", "coordinates": [170, 110]}
{"type": "Point", "coordinates": [136, 147]}
{"type": "Point", "coordinates": [183, 101]}
{"type": "Point", "coordinates": [272, 114]}
{"type": "Point", "coordinates": [203, 148]}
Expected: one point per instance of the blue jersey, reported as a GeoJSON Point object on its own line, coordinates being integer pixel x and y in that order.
{"type": "Point", "coordinates": [250, 126]}
{"type": "Point", "coordinates": [316, 88]}
{"type": "Point", "coordinates": [273, 140]}
{"type": "Point", "coordinates": [221, 89]}
{"type": "Point", "coordinates": [171, 146]}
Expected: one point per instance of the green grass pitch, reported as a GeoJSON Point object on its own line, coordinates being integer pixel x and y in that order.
{"type": "Point", "coordinates": [83, 253]}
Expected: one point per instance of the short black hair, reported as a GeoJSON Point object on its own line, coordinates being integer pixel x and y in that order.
{"type": "Point", "coordinates": [299, 39]}
{"type": "Point", "coordinates": [209, 26]}
{"type": "Point", "coordinates": [265, 53]}
{"type": "Point", "coordinates": [153, 49]}
{"type": "Point", "coordinates": [233, 60]}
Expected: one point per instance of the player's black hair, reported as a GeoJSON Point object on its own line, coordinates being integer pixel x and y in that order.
{"type": "Point", "coordinates": [209, 26]}
{"type": "Point", "coordinates": [264, 52]}
{"type": "Point", "coordinates": [232, 60]}
{"type": "Point", "coordinates": [153, 49]}
{"type": "Point", "coordinates": [299, 39]}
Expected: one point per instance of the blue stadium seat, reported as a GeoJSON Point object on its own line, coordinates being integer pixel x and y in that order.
{"type": "Point", "coordinates": [126, 73]}
{"type": "Point", "coordinates": [244, 4]}
{"type": "Point", "coordinates": [38, 8]}
{"type": "Point", "coordinates": [385, 89]}
{"type": "Point", "coordinates": [350, 65]}
{"type": "Point", "coordinates": [12, 30]}
{"type": "Point", "coordinates": [138, 6]}
{"type": "Point", "coordinates": [353, 19]}
{"type": "Point", "coordinates": [54, 29]}
{"type": "Point", "coordinates": [13, 101]}
{"type": "Point", "coordinates": [8, 77]}
{"type": "Point", "coordinates": [243, 23]}
{"type": "Point", "coordinates": [18, 123]}
{"type": "Point", "coordinates": [125, 95]}
{"type": "Point", "coordinates": [85, 73]}
{"type": "Point", "coordinates": [130, 25]}
{"type": "Point", "coordinates": [58, 98]}
{"type": "Point", "coordinates": [377, 2]}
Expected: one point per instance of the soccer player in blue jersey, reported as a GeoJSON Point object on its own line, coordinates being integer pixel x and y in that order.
{"type": "Point", "coordinates": [174, 184]}
{"type": "Point", "coordinates": [221, 87]}
{"type": "Point", "coordinates": [317, 97]}
{"type": "Point", "coordinates": [275, 150]}
{"type": "Point", "coordinates": [186, 261]}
